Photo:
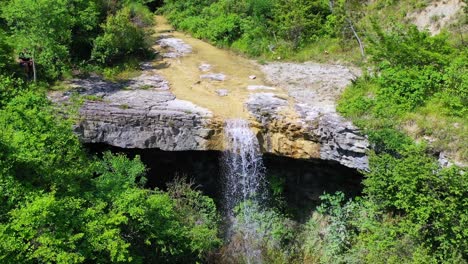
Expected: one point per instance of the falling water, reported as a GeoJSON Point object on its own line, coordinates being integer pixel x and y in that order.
{"type": "Point", "coordinates": [244, 180]}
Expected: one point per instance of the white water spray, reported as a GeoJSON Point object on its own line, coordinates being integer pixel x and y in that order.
{"type": "Point", "coordinates": [244, 180]}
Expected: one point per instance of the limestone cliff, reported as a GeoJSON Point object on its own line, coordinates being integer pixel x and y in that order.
{"type": "Point", "coordinates": [290, 106]}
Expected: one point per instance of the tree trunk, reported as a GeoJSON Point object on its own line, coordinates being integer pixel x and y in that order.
{"type": "Point", "coordinates": [361, 45]}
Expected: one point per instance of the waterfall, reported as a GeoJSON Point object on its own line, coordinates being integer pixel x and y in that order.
{"type": "Point", "coordinates": [243, 185]}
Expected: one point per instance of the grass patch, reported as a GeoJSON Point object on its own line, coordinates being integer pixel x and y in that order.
{"type": "Point", "coordinates": [124, 106]}
{"type": "Point", "coordinates": [93, 98]}
{"type": "Point", "coordinates": [327, 50]}
{"type": "Point", "coordinates": [446, 133]}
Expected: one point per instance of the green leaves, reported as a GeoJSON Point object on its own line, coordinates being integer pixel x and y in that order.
{"type": "Point", "coordinates": [299, 21]}
{"type": "Point", "coordinates": [6, 52]}
{"type": "Point", "coordinates": [254, 27]}
{"type": "Point", "coordinates": [429, 197]}
{"type": "Point", "coordinates": [412, 71]}
{"type": "Point", "coordinates": [43, 29]}
{"type": "Point", "coordinates": [409, 47]}
{"type": "Point", "coordinates": [60, 205]}
{"type": "Point", "coordinates": [121, 37]}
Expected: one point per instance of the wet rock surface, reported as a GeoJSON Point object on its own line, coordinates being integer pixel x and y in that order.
{"type": "Point", "coordinates": [260, 88]}
{"type": "Point", "coordinates": [173, 47]}
{"type": "Point", "coordinates": [214, 77]}
{"type": "Point", "coordinates": [222, 92]}
{"type": "Point", "coordinates": [204, 67]}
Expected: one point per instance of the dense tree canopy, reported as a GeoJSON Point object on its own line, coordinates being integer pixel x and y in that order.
{"type": "Point", "coordinates": [59, 205]}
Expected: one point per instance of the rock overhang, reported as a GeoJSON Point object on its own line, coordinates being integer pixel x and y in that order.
{"type": "Point", "coordinates": [293, 114]}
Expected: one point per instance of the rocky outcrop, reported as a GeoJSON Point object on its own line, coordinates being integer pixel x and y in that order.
{"type": "Point", "coordinates": [141, 113]}
{"type": "Point", "coordinates": [293, 113]}
{"type": "Point", "coordinates": [141, 119]}
{"type": "Point", "coordinates": [313, 129]}
{"type": "Point", "coordinates": [173, 47]}
{"type": "Point", "coordinates": [305, 135]}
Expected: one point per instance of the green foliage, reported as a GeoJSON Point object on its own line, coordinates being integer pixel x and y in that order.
{"type": "Point", "coordinates": [198, 214]}
{"type": "Point", "coordinates": [252, 27]}
{"type": "Point", "coordinates": [123, 36]}
{"type": "Point", "coordinates": [340, 229]}
{"type": "Point", "coordinates": [45, 30]}
{"type": "Point", "coordinates": [41, 153]}
{"type": "Point", "coordinates": [9, 88]}
{"type": "Point", "coordinates": [409, 47]}
{"type": "Point", "coordinates": [419, 216]}
{"type": "Point", "coordinates": [409, 87]}
{"type": "Point", "coordinates": [59, 205]}
{"type": "Point", "coordinates": [416, 75]}
{"type": "Point", "coordinates": [300, 21]}
{"type": "Point", "coordinates": [66, 34]}
{"type": "Point", "coordinates": [6, 52]}
{"type": "Point", "coordinates": [431, 198]}
{"type": "Point", "coordinates": [263, 230]}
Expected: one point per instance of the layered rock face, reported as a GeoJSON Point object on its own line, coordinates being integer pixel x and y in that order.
{"type": "Point", "coordinates": [307, 135]}
{"type": "Point", "coordinates": [293, 114]}
{"type": "Point", "coordinates": [141, 113]}
{"type": "Point", "coordinates": [160, 121]}
{"type": "Point", "coordinates": [313, 128]}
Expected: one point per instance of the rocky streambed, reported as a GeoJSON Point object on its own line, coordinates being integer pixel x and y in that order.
{"type": "Point", "coordinates": [181, 100]}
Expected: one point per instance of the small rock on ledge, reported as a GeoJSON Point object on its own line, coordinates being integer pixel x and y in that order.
{"type": "Point", "coordinates": [222, 92]}
{"type": "Point", "coordinates": [214, 77]}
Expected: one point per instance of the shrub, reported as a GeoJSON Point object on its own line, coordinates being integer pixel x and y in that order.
{"type": "Point", "coordinates": [121, 38]}
{"type": "Point", "coordinates": [409, 87]}
{"type": "Point", "coordinates": [300, 21]}
{"type": "Point", "coordinates": [6, 53]}
{"type": "Point", "coordinates": [10, 87]}
{"type": "Point", "coordinates": [409, 47]}
{"type": "Point", "coordinates": [431, 198]}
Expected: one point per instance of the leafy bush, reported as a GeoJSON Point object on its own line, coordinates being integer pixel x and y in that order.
{"type": "Point", "coordinates": [224, 29]}
{"type": "Point", "coordinates": [261, 234]}
{"type": "Point", "coordinates": [198, 214]}
{"type": "Point", "coordinates": [414, 200]}
{"type": "Point", "coordinates": [45, 30]}
{"type": "Point", "coordinates": [431, 198]}
{"type": "Point", "coordinates": [121, 38]}
{"type": "Point", "coordinates": [41, 153]}
{"type": "Point", "coordinates": [300, 21]}
{"type": "Point", "coordinates": [409, 87]}
{"type": "Point", "coordinates": [252, 27]}
{"type": "Point", "coordinates": [60, 205]}
{"type": "Point", "coordinates": [10, 87]}
{"type": "Point", "coordinates": [6, 53]}
{"type": "Point", "coordinates": [409, 47]}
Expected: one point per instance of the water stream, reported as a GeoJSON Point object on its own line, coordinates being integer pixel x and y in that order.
{"type": "Point", "coordinates": [244, 185]}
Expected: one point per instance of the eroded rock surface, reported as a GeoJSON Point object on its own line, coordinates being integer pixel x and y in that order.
{"type": "Point", "coordinates": [214, 77]}
{"type": "Point", "coordinates": [173, 47]}
{"type": "Point", "coordinates": [143, 114]}
{"type": "Point", "coordinates": [313, 129]}
{"type": "Point", "coordinates": [280, 131]}
{"type": "Point", "coordinates": [293, 111]}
